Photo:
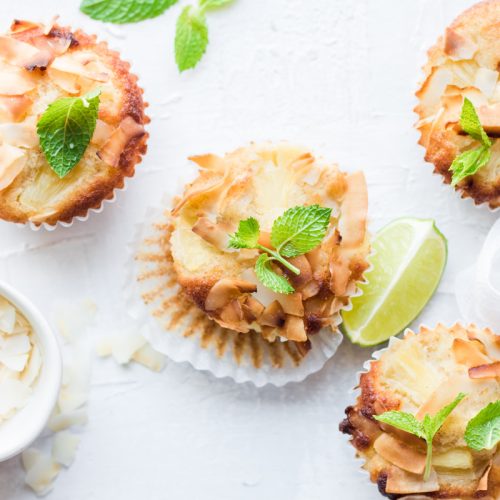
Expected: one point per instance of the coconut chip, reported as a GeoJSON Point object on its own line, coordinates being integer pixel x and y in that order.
{"type": "Point", "coordinates": [41, 470]}
{"type": "Point", "coordinates": [12, 161]}
{"type": "Point", "coordinates": [64, 447]}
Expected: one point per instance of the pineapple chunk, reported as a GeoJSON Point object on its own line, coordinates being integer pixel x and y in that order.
{"type": "Point", "coordinates": [413, 374]}
{"type": "Point", "coordinates": [457, 458]}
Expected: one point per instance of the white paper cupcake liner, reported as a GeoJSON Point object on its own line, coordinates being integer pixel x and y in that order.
{"type": "Point", "coordinates": [179, 330]}
{"type": "Point", "coordinates": [82, 218]}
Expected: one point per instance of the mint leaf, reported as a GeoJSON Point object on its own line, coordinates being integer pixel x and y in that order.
{"type": "Point", "coordinates": [214, 4]}
{"type": "Point", "coordinates": [401, 420]}
{"type": "Point", "coordinates": [269, 278]}
{"type": "Point", "coordinates": [300, 229]}
{"type": "Point", "coordinates": [247, 235]}
{"type": "Point", "coordinates": [469, 163]}
{"type": "Point", "coordinates": [426, 429]}
{"type": "Point", "coordinates": [435, 423]}
{"type": "Point", "coordinates": [469, 121]}
{"type": "Point", "coordinates": [124, 11]}
{"type": "Point", "coordinates": [191, 38]}
{"type": "Point", "coordinates": [65, 130]}
{"type": "Point", "coordinates": [483, 431]}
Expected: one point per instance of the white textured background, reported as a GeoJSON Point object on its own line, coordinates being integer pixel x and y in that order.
{"type": "Point", "coordinates": [335, 75]}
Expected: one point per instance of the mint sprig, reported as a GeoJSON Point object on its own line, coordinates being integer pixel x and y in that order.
{"type": "Point", "coordinates": [65, 130]}
{"type": "Point", "coordinates": [124, 11]}
{"type": "Point", "coordinates": [483, 431]}
{"type": "Point", "coordinates": [425, 429]}
{"type": "Point", "coordinates": [298, 231]}
{"type": "Point", "coordinates": [469, 162]}
{"type": "Point", "coordinates": [191, 34]}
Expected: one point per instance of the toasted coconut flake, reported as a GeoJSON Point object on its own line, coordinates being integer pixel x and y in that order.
{"type": "Point", "coordinates": [433, 88]}
{"type": "Point", "coordinates": [292, 304]}
{"type": "Point", "coordinates": [102, 133]}
{"type": "Point", "coordinates": [443, 395]}
{"type": "Point", "coordinates": [65, 81]}
{"type": "Point", "coordinates": [15, 107]}
{"type": "Point", "coordinates": [294, 329]}
{"type": "Point", "coordinates": [22, 54]}
{"type": "Point", "coordinates": [20, 25]}
{"type": "Point", "coordinates": [305, 276]}
{"type": "Point", "coordinates": [252, 309]}
{"type": "Point", "coordinates": [400, 454]}
{"type": "Point", "coordinates": [112, 150]}
{"type": "Point", "coordinates": [310, 290]}
{"type": "Point", "coordinates": [483, 482]}
{"type": "Point", "coordinates": [273, 315]}
{"type": "Point", "coordinates": [12, 161]}
{"type": "Point", "coordinates": [340, 275]}
{"type": "Point", "coordinates": [21, 135]}
{"type": "Point", "coordinates": [457, 46]}
{"type": "Point", "coordinates": [400, 482]}
{"type": "Point", "coordinates": [467, 353]}
{"type": "Point", "coordinates": [217, 234]}
{"type": "Point", "coordinates": [209, 161]}
{"type": "Point", "coordinates": [491, 370]}
{"type": "Point", "coordinates": [15, 81]}
{"type": "Point", "coordinates": [77, 64]}
{"type": "Point", "coordinates": [486, 81]}
{"type": "Point", "coordinates": [354, 210]}
{"type": "Point", "coordinates": [489, 117]}
{"type": "Point", "coordinates": [225, 290]}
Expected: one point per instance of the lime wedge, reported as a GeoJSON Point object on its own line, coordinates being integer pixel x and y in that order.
{"type": "Point", "coordinates": [408, 259]}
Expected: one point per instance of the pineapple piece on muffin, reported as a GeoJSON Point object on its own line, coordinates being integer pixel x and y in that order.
{"type": "Point", "coordinates": [261, 183]}
{"type": "Point", "coordinates": [420, 375]}
{"type": "Point", "coordinates": [41, 65]}
{"type": "Point", "coordinates": [464, 64]}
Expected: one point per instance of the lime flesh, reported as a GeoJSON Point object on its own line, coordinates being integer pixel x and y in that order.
{"type": "Point", "coordinates": [408, 259]}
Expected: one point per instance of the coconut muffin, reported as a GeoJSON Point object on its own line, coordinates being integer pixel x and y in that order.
{"type": "Point", "coordinates": [262, 181]}
{"type": "Point", "coordinates": [464, 63]}
{"type": "Point", "coordinates": [39, 65]}
{"type": "Point", "coordinates": [420, 375]}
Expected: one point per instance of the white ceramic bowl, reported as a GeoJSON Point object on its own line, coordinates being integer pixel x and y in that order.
{"type": "Point", "coordinates": [18, 432]}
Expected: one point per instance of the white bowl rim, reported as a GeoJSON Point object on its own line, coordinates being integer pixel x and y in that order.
{"type": "Point", "coordinates": [51, 363]}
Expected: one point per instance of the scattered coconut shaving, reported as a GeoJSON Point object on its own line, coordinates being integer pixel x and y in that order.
{"type": "Point", "coordinates": [130, 346]}
{"type": "Point", "coordinates": [73, 320]}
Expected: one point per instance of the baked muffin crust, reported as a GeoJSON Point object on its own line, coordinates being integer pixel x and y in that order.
{"type": "Point", "coordinates": [69, 64]}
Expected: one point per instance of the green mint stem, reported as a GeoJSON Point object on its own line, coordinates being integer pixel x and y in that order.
{"type": "Point", "coordinates": [428, 461]}
{"type": "Point", "coordinates": [280, 259]}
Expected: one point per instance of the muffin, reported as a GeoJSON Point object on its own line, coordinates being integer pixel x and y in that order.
{"type": "Point", "coordinates": [420, 375]}
{"type": "Point", "coordinates": [39, 65]}
{"type": "Point", "coordinates": [464, 63]}
{"type": "Point", "coordinates": [263, 182]}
